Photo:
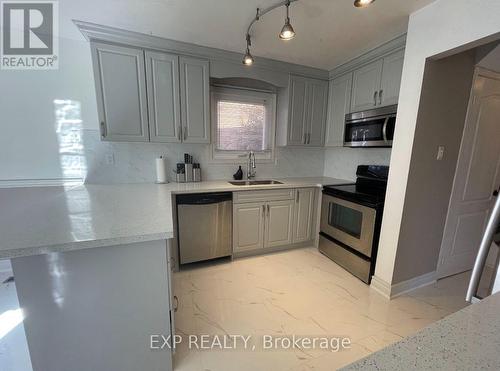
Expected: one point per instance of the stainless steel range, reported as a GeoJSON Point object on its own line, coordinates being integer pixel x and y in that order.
{"type": "Point", "coordinates": [351, 216]}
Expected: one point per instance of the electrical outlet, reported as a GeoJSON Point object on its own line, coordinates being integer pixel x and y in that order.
{"type": "Point", "coordinates": [110, 159]}
{"type": "Point", "coordinates": [440, 153]}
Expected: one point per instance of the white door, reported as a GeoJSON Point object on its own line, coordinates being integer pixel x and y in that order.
{"type": "Point", "coordinates": [162, 72]}
{"type": "Point", "coordinates": [297, 111]}
{"type": "Point", "coordinates": [121, 92]}
{"type": "Point", "coordinates": [279, 219]}
{"type": "Point", "coordinates": [339, 104]}
{"type": "Point", "coordinates": [391, 79]}
{"type": "Point", "coordinates": [303, 220]}
{"type": "Point", "coordinates": [476, 179]}
{"type": "Point", "coordinates": [316, 119]}
{"type": "Point", "coordinates": [248, 226]}
{"type": "Point", "coordinates": [365, 86]}
{"type": "Point", "coordinates": [195, 100]}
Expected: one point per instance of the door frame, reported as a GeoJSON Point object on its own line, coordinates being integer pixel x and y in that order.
{"type": "Point", "coordinates": [478, 71]}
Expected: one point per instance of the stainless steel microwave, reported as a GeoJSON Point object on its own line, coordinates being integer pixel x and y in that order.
{"type": "Point", "coordinates": [372, 128]}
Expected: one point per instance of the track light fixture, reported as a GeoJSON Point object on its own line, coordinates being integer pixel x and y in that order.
{"type": "Point", "coordinates": [362, 3]}
{"type": "Point", "coordinates": [287, 32]}
{"type": "Point", "coordinates": [248, 58]}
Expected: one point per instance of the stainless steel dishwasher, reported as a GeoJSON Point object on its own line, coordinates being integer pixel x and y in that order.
{"type": "Point", "coordinates": [205, 225]}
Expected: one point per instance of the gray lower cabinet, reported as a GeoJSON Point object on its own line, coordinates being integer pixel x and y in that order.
{"type": "Point", "coordinates": [339, 104]}
{"type": "Point", "coordinates": [121, 92]}
{"type": "Point", "coordinates": [152, 96]}
{"type": "Point", "coordinates": [308, 99]}
{"type": "Point", "coordinates": [195, 100]}
{"type": "Point", "coordinates": [275, 218]}
{"type": "Point", "coordinates": [303, 215]}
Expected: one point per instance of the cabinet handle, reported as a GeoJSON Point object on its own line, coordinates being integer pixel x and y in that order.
{"type": "Point", "coordinates": [297, 196]}
{"type": "Point", "coordinates": [304, 140]}
{"type": "Point", "coordinates": [179, 133]}
{"type": "Point", "coordinates": [263, 211]}
{"type": "Point", "coordinates": [309, 138]}
{"type": "Point", "coordinates": [176, 303]}
{"type": "Point", "coordinates": [375, 98]}
{"type": "Point", "coordinates": [268, 210]}
{"type": "Point", "coordinates": [103, 130]}
{"type": "Point", "coordinates": [185, 131]}
{"type": "Point", "coordinates": [380, 96]}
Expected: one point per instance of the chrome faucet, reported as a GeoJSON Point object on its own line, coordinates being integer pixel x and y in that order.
{"type": "Point", "coordinates": [251, 165]}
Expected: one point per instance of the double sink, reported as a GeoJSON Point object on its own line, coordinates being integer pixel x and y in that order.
{"type": "Point", "coordinates": [254, 182]}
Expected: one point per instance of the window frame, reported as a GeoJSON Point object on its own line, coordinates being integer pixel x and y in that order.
{"type": "Point", "coordinates": [243, 95]}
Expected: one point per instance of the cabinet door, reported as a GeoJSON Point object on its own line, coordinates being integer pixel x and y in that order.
{"type": "Point", "coordinates": [162, 71]}
{"type": "Point", "coordinates": [365, 86]}
{"type": "Point", "coordinates": [279, 219]}
{"type": "Point", "coordinates": [391, 78]}
{"type": "Point", "coordinates": [317, 97]}
{"type": "Point", "coordinates": [195, 100]}
{"type": "Point", "coordinates": [121, 92]}
{"type": "Point", "coordinates": [297, 111]}
{"type": "Point", "coordinates": [304, 203]}
{"type": "Point", "coordinates": [339, 104]}
{"type": "Point", "coordinates": [248, 226]}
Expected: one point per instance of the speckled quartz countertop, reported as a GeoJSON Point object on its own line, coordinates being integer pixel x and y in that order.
{"type": "Point", "coordinates": [39, 220]}
{"type": "Point", "coordinates": [466, 340]}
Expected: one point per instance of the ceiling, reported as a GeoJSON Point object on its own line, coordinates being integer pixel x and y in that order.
{"type": "Point", "coordinates": [329, 32]}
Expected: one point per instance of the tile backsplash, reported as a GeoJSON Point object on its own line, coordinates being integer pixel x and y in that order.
{"type": "Point", "coordinates": [115, 162]}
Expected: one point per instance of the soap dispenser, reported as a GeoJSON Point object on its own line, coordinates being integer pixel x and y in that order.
{"type": "Point", "coordinates": [238, 175]}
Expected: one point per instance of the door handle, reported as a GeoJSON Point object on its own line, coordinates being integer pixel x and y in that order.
{"type": "Point", "coordinates": [384, 129]}
{"type": "Point", "coordinates": [179, 133]}
{"type": "Point", "coordinates": [176, 303]}
{"type": "Point", "coordinates": [375, 98]}
{"type": "Point", "coordinates": [380, 96]}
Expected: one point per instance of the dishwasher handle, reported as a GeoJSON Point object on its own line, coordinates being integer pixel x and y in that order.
{"type": "Point", "coordinates": [204, 198]}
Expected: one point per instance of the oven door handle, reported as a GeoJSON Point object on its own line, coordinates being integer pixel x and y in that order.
{"type": "Point", "coordinates": [384, 129]}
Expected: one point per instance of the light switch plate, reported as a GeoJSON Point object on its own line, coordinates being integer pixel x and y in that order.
{"type": "Point", "coordinates": [440, 153]}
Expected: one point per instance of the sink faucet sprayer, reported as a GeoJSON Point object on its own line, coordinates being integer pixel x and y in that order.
{"type": "Point", "coordinates": [251, 165]}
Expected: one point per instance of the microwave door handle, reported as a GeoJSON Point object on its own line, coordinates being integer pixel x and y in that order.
{"type": "Point", "coordinates": [384, 129]}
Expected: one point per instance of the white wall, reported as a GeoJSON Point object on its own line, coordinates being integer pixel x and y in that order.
{"type": "Point", "coordinates": [32, 147]}
{"type": "Point", "coordinates": [438, 28]}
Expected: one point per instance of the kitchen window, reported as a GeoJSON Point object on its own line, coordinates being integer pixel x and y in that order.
{"type": "Point", "coordinates": [242, 121]}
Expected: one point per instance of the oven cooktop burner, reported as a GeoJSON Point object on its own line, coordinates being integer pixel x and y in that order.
{"type": "Point", "coordinates": [369, 188]}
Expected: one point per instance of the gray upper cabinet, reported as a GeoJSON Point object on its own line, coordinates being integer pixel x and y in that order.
{"type": "Point", "coordinates": [365, 86]}
{"type": "Point", "coordinates": [377, 83]}
{"type": "Point", "coordinates": [318, 101]}
{"type": "Point", "coordinates": [307, 111]}
{"type": "Point", "coordinates": [152, 96]}
{"type": "Point", "coordinates": [162, 71]}
{"type": "Point", "coordinates": [195, 100]}
{"type": "Point", "coordinates": [297, 111]}
{"type": "Point", "coordinates": [391, 78]}
{"type": "Point", "coordinates": [121, 92]}
{"type": "Point", "coordinates": [339, 104]}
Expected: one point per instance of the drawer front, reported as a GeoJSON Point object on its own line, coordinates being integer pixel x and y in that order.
{"type": "Point", "coordinates": [264, 195]}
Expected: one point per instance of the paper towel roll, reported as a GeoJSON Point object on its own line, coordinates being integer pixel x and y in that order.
{"type": "Point", "coordinates": [161, 170]}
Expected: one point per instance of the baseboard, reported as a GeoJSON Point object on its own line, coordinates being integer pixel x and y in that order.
{"type": "Point", "coordinates": [18, 183]}
{"type": "Point", "coordinates": [393, 291]}
{"type": "Point", "coordinates": [381, 286]}
{"type": "Point", "coordinates": [270, 250]}
{"type": "Point", "coordinates": [412, 284]}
